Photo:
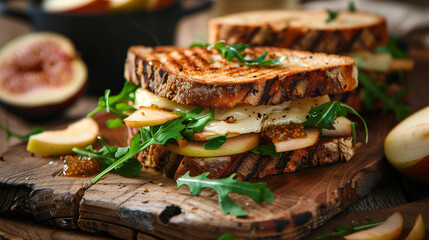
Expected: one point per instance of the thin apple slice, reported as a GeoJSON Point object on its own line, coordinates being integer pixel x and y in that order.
{"type": "Point", "coordinates": [418, 232]}
{"type": "Point", "coordinates": [235, 145]}
{"type": "Point", "coordinates": [76, 6]}
{"type": "Point", "coordinates": [342, 128]}
{"type": "Point", "coordinates": [60, 142]}
{"type": "Point", "coordinates": [298, 143]}
{"type": "Point", "coordinates": [127, 5]}
{"type": "Point", "coordinates": [203, 136]}
{"type": "Point", "coordinates": [388, 230]}
{"type": "Point", "coordinates": [149, 116]}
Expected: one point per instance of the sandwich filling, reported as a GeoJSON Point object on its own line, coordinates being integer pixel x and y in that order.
{"type": "Point", "coordinates": [243, 127]}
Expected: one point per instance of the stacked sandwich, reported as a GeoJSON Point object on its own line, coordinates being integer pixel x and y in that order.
{"type": "Point", "coordinates": [351, 33]}
{"type": "Point", "coordinates": [256, 111]}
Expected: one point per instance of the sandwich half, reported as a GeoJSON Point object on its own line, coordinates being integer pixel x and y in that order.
{"type": "Point", "coordinates": [263, 112]}
{"type": "Point", "coordinates": [360, 35]}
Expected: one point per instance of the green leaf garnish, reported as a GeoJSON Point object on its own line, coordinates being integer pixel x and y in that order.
{"type": "Point", "coordinates": [236, 51]}
{"type": "Point", "coordinates": [352, 7]}
{"type": "Point", "coordinates": [215, 143]}
{"type": "Point", "coordinates": [119, 159]}
{"type": "Point", "coordinates": [24, 137]}
{"type": "Point", "coordinates": [331, 15]}
{"type": "Point", "coordinates": [267, 150]}
{"type": "Point", "coordinates": [257, 191]}
{"type": "Point", "coordinates": [117, 104]}
{"type": "Point", "coordinates": [199, 43]}
{"type": "Point", "coordinates": [394, 48]}
{"type": "Point", "coordinates": [373, 91]}
{"type": "Point", "coordinates": [107, 155]}
{"type": "Point", "coordinates": [323, 116]}
{"type": "Point", "coordinates": [341, 230]}
{"type": "Point", "coordinates": [227, 237]}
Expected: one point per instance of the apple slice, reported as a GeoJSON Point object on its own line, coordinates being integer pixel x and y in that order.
{"type": "Point", "coordinates": [127, 5]}
{"type": "Point", "coordinates": [418, 232]}
{"type": "Point", "coordinates": [388, 230]}
{"type": "Point", "coordinates": [60, 142]}
{"type": "Point", "coordinates": [76, 6]}
{"type": "Point", "coordinates": [407, 146]}
{"type": "Point", "coordinates": [235, 145]}
{"type": "Point", "coordinates": [342, 128]}
{"type": "Point", "coordinates": [149, 116]}
{"type": "Point", "coordinates": [298, 143]}
{"type": "Point", "coordinates": [203, 136]}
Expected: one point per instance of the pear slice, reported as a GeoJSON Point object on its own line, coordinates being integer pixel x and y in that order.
{"type": "Point", "coordinates": [203, 136]}
{"type": "Point", "coordinates": [235, 145]}
{"type": "Point", "coordinates": [342, 128]}
{"type": "Point", "coordinates": [60, 142]}
{"type": "Point", "coordinates": [298, 143]}
{"type": "Point", "coordinates": [388, 230]}
{"type": "Point", "coordinates": [149, 116]}
{"type": "Point", "coordinates": [418, 232]}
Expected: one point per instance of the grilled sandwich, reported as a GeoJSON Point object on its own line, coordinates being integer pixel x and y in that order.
{"type": "Point", "coordinates": [253, 106]}
{"type": "Point", "coordinates": [354, 34]}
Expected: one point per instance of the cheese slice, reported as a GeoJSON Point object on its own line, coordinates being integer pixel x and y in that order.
{"type": "Point", "coordinates": [248, 119]}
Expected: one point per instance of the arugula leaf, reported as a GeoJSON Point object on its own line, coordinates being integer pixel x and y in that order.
{"type": "Point", "coordinates": [331, 15]}
{"type": "Point", "coordinates": [227, 237]}
{"type": "Point", "coordinates": [394, 48]}
{"type": "Point", "coordinates": [117, 104]}
{"type": "Point", "coordinates": [114, 123]}
{"type": "Point", "coordinates": [257, 191]}
{"type": "Point", "coordinates": [323, 116]}
{"type": "Point", "coordinates": [216, 143]}
{"type": "Point", "coordinates": [352, 7]}
{"type": "Point", "coordinates": [24, 137]}
{"type": "Point", "coordinates": [341, 230]}
{"type": "Point", "coordinates": [267, 150]}
{"type": "Point", "coordinates": [199, 43]}
{"type": "Point", "coordinates": [120, 159]}
{"type": "Point", "coordinates": [107, 155]}
{"type": "Point", "coordinates": [400, 110]}
{"type": "Point", "coordinates": [236, 51]}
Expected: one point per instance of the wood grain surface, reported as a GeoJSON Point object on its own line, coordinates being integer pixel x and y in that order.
{"type": "Point", "coordinates": [150, 205]}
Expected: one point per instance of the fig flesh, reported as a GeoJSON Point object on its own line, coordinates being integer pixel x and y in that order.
{"type": "Point", "coordinates": [40, 74]}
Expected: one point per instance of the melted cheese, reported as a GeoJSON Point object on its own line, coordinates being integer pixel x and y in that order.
{"type": "Point", "coordinates": [248, 119]}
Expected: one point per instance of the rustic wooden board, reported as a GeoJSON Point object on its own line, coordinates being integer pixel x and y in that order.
{"type": "Point", "coordinates": [149, 206]}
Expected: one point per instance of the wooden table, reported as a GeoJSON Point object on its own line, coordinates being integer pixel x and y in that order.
{"type": "Point", "coordinates": [396, 193]}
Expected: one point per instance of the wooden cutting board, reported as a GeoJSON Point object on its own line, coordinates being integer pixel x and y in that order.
{"type": "Point", "coordinates": [149, 207]}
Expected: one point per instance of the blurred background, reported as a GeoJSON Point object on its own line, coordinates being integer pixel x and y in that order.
{"type": "Point", "coordinates": [104, 36]}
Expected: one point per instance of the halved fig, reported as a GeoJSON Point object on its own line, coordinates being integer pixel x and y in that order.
{"type": "Point", "coordinates": [40, 74]}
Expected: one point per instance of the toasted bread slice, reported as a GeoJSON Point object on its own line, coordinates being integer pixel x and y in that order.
{"type": "Point", "coordinates": [302, 30]}
{"type": "Point", "coordinates": [204, 78]}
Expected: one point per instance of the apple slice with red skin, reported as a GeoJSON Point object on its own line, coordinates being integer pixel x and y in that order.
{"type": "Point", "coordinates": [40, 74]}
{"type": "Point", "coordinates": [149, 116]}
{"type": "Point", "coordinates": [418, 232]}
{"type": "Point", "coordinates": [76, 6]}
{"type": "Point", "coordinates": [407, 146]}
{"type": "Point", "coordinates": [298, 143]}
{"type": "Point", "coordinates": [127, 5]}
{"type": "Point", "coordinates": [390, 229]}
{"type": "Point", "coordinates": [235, 145]}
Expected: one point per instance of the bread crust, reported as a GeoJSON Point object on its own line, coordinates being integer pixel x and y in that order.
{"type": "Point", "coordinates": [328, 150]}
{"type": "Point", "coordinates": [302, 30]}
{"type": "Point", "coordinates": [203, 78]}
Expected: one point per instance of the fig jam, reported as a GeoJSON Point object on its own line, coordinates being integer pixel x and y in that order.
{"type": "Point", "coordinates": [285, 132]}
{"type": "Point", "coordinates": [79, 166]}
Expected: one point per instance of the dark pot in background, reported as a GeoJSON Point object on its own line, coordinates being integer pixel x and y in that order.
{"type": "Point", "coordinates": [103, 39]}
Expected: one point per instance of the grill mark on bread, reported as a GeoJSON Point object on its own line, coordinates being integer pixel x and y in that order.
{"type": "Point", "coordinates": [282, 32]}
{"type": "Point", "coordinates": [255, 168]}
{"type": "Point", "coordinates": [223, 84]}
